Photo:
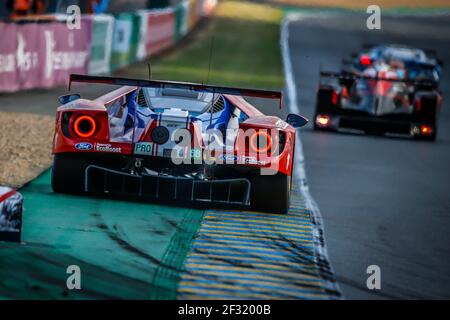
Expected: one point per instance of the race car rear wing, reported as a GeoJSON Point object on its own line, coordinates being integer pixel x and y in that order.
{"type": "Point", "coordinates": [353, 76]}
{"type": "Point", "coordinates": [257, 93]}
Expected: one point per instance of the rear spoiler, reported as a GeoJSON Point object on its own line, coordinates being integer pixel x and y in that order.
{"type": "Point", "coordinates": [176, 85]}
{"type": "Point", "coordinates": [350, 76]}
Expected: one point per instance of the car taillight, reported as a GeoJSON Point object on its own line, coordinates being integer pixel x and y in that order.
{"type": "Point", "coordinates": [260, 141]}
{"type": "Point", "coordinates": [419, 104]}
{"type": "Point", "coordinates": [84, 126]}
{"type": "Point", "coordinates": [426, 130]}
{"type": "Point", "coordinates": [365, 60]}
{"type": "Point", "coordinates": [334, 97]}
{"type": "Point", "coordinates": [344, 92]}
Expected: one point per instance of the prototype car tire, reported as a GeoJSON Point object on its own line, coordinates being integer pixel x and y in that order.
{"type": "Point", "coordinates": [68, 173]}
{"type": "Point", "coordinates": [271, 193]}
{"type": "Point", "coordinates": [431, 138]}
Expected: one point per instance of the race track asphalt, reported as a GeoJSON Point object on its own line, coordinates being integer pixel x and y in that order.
{"type": "Point", "coordinates": [384, 201]}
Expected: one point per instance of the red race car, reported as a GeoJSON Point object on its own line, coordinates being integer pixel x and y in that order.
{"type": "Point", "coordinates": [173, 141]}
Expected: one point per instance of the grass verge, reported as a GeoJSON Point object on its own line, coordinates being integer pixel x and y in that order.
{"type": "Point", "coordinates": [351, 4]}
{"type": "Point", "coordinates": [244, 38]}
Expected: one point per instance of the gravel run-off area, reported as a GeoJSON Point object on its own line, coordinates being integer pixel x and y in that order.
{"type": "Point", "coordinates": [25, 144]}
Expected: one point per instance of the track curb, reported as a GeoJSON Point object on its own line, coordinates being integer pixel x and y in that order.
{"type": "Point", "coordinates": [323, 264]}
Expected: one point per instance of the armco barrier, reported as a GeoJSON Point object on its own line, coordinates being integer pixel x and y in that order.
{"type": "Point", "coordinates": [102, 35]}
{"type": "Point", "coordinates": [42, 55]}
{"type": "Point", "coordinates": [135, 38]}
{"type": "Point", "coordinates": [8, 65]}
{"type": "Point", "coordinates": [123, 26]}
{"type": "Point", "coordinates": [160, 30]}
{"type": "Point", "coordinates": [141, 52]}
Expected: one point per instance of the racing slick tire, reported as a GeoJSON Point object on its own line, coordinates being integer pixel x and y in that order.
{"type": "Point", "coordinates": [68, 173]}
{"type": "Point", "coordinates": [431, 138]}
{"type": "Point", "coordinates": [271, 193]}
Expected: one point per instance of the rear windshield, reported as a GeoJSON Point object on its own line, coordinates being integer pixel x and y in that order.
{"type": "Point", "coordinates": [165, 98]}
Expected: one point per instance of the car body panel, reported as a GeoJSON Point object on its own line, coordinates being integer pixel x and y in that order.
{"type": "Point", "coordinates": [137, 141]}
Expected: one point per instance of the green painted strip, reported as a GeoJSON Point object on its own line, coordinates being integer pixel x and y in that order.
{"type": "Point", "coordinates": [166, 279]}
{"type": "Point", "coordinates": [124, 249]}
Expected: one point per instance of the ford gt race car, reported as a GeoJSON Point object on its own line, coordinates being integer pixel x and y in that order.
{"type": "Point", "coordinates": [173, 141]}
{"type": "Point", "coordinates": [383, 89]}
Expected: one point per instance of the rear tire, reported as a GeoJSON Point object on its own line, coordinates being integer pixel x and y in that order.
{"type": "Point", "coordinates": [68, 173]}
{"type": "Point", "coordinates": [271, 193]}
{"type": "Point", "coordinates": [431, 138]}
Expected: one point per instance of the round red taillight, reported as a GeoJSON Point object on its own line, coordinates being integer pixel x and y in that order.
{"type": "Point", "coordinates": [261, 141]}
{"type": "Point", "coordinates": [84, 126]}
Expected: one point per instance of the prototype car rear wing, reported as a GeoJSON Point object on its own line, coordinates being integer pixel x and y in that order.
{"type": "Point", "coordinates": [257, 93]}
{"type": "Point", "coordinates": [340, 76]}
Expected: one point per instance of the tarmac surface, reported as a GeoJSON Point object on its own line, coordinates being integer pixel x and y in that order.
{"type": "Point", "coordinates": [384, 200]}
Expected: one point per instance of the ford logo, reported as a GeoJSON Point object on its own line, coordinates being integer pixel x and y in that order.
{"type": "Point", "coordinates": [83, 146]}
